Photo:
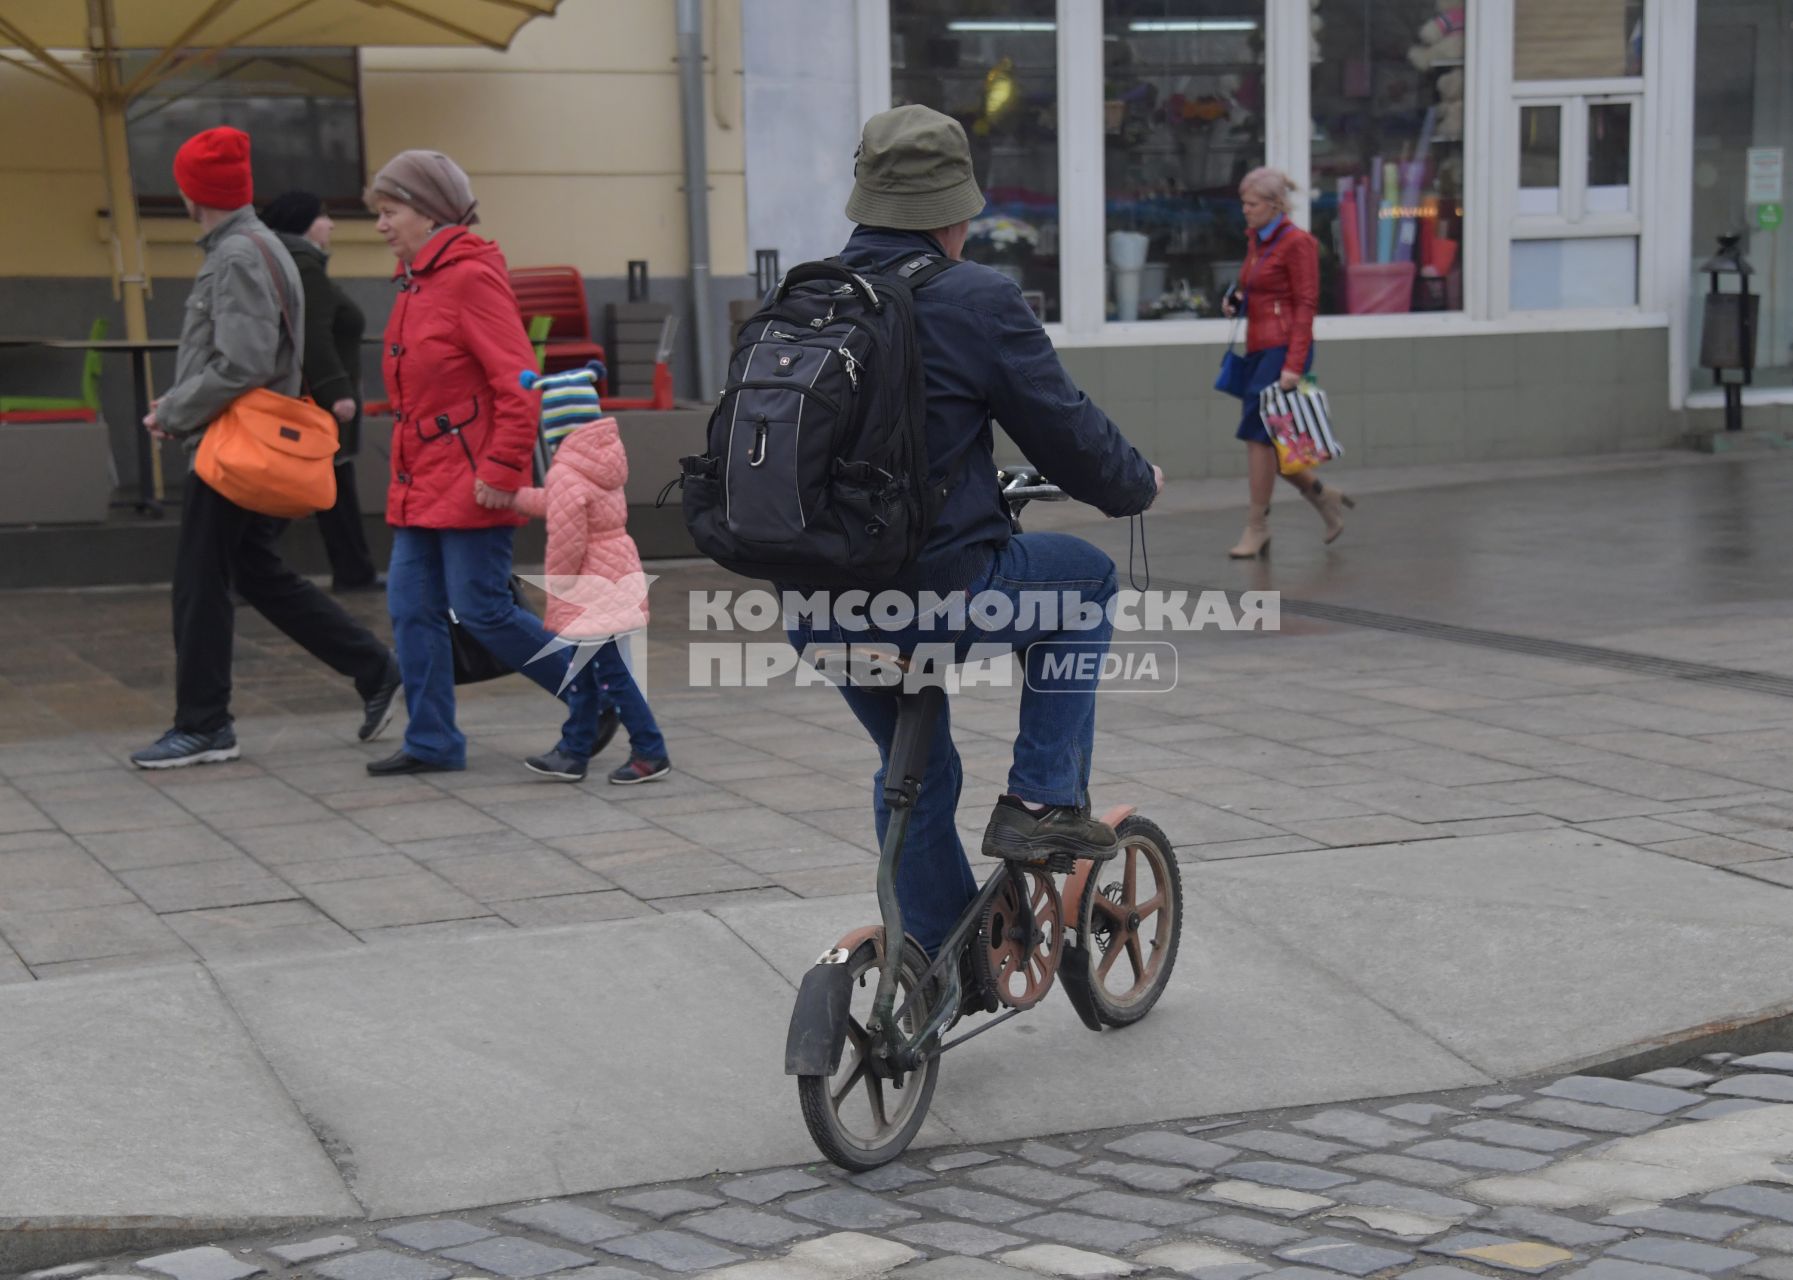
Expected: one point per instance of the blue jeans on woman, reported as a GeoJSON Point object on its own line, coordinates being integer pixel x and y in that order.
{"type": "Point", "coordinates": [1058, 711]}
{"type": "Point", "coordinates": [468, 571]}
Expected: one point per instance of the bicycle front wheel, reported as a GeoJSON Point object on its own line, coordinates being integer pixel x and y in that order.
{"type": "Point", "coordinates": [860, 1120]}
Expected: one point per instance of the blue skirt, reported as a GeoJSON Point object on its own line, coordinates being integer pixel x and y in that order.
{"type": "Point", "coordinates": [1262, 369]}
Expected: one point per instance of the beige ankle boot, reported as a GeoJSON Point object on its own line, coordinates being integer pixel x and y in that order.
{"type": "Point", "coordinates": [1256, 538]}
{"type": "Point", "coordinates": [1329, 503]}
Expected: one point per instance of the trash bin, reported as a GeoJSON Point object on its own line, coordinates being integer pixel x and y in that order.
{"type": "Point", "coordinates": [1728, 326]}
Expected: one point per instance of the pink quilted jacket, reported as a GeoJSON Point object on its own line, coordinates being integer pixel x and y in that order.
{"type": "Point", "coordinates": [595, 584]}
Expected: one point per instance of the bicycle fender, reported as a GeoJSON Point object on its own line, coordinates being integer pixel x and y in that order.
{"type": "Point", "coordinates": [818, 1031]}
{"type": "Point", "coordinates": [1073, 976]}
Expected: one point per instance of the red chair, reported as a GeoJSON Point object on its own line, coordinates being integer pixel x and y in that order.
{"type": "Point", "coordinates": [559, 292]}
{"type": "Point", "coordinates": [48, 415]}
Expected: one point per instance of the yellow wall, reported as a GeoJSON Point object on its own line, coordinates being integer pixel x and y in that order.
{"type": "Point", "coordinates": [571, 138]}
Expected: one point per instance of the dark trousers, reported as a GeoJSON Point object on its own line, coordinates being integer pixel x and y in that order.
{"type": "Point", "coordinates": [222, 545]}
{"type": "Point", "coordinates": [345, 539]}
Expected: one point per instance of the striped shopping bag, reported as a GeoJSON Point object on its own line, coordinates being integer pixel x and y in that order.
{"type": "Point", "coordinates": [1300, 426]}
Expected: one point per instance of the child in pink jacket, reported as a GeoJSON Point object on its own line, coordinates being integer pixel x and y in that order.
{"type": "Point", "coordinates": [596, 589]}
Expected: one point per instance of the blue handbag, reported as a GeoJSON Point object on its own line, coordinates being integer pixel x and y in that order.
{"type": "Point", "coordinates": [1235, 370]}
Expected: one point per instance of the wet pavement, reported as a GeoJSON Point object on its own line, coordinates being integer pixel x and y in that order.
{"type": "Point", "coordinates": [1358, 735]}
{"type": "Point", "coordinates": [1419, 863]}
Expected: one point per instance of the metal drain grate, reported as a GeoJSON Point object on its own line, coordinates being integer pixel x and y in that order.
{"type": "Point", "coordinates": [1563, 650]}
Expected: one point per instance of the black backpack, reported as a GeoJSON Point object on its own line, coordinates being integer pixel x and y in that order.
{"type": "Point", "coordinates": [815, 472]}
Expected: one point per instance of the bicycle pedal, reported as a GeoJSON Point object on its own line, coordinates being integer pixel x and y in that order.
{"type": "Point", "coordinates": [1061, 864]}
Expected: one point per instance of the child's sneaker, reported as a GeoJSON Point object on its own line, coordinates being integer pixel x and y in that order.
{"type": "Point", "coordinates": [640, 769]}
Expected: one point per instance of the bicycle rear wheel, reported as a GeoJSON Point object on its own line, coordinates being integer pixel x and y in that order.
{"type": "Point", "coordinates": [1130, 920]}
{"type": "Point", "coordinates": [857, 1119]}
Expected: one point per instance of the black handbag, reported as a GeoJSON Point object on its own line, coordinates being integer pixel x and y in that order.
{"type": "Point", "coordinates": [473, 662]}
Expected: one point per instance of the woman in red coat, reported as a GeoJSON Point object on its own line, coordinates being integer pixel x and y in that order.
{"type": "Point", "coordinates": [463, 435]}
{"type": "Point", "coordinates": [1279, 286]}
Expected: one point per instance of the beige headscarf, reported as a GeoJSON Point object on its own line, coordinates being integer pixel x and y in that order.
{"type": "Point", "coordinates": [430, 183]}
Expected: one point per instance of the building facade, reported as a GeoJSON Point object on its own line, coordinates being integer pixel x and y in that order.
{"type": "Point", "coordinates": [1512, 197]}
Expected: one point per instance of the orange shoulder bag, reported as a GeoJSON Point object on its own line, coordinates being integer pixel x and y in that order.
{"type": "Point", "coordinates": [269, 453]}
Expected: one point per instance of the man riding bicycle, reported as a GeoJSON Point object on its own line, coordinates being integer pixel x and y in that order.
{"type": "Point", "coordinates": [984, 356]}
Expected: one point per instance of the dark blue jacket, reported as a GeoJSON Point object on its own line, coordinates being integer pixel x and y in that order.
{"type": "Point", "coordinates": [985, 355]}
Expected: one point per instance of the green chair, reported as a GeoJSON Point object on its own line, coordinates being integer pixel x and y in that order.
{"type": "Point", "coordinates": [89, 401]}
{"type": "Point", "coordinates": [538, 337]}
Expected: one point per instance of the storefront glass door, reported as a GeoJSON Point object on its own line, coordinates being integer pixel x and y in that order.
{"type": "Point", "coordinates": [1742, 144]}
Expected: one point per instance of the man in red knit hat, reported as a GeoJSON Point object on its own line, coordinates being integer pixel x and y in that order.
{"type": "Point", "coordinates": [236, 339]}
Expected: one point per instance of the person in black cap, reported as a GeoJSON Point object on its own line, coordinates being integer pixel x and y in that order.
{"type": "Point", "coordinates": [332, 367]}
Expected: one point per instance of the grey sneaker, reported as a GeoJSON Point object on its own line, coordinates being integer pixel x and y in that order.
{"type": "Point", "coordinates": [558, 765]}
{"type": "Point", "coordinates": [178, 748]}
{"type": "Point", "coordinates": [1018, 834]}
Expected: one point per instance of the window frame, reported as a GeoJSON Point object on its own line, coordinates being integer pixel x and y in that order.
{"type": "Point", "coordinates": [1572, 220]}
{"type": "Point", "coordinates": [1490, 182]}
{"type": "Point", "coordinates": [346, 206]}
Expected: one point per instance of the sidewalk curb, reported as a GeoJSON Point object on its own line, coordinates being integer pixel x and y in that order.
{"type": "Point", "coordinates": [27, 1244]}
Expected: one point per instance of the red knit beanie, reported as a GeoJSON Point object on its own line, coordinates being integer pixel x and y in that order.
{"type": "Point", "coordinates": [212, 168]}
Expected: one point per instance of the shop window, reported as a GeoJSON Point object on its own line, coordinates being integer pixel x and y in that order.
{"type": "Point", "coordinates": [1577, 39]}
{"type": "Point", "coordinates": [1541, 160]}
{"type": "Point", "coordinates": [301, 108]}
{"type": "Point", "coordinates": [1183, 122]}
{"type": "Point", "coordinates": [994, 68]}
{"type": "Point", "coordinates": [1743, 132]}
{"type": "Point", "coordinates": [1387, 98]}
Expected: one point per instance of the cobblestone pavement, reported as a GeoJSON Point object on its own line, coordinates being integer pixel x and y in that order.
{"type": "Point", "coordinates": [1673, 1174]}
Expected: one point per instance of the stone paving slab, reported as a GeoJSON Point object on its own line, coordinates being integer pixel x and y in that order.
{"type": "Point", "coordinates": [1481, 937]}
{"type": "Point", "coordinates": [459, 1072]}
{"type": "Point", "coordinates": [105, 1078]}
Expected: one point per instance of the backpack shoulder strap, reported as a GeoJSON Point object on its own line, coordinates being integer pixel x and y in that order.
{"type": "Point", "coordinates": [915, 270]}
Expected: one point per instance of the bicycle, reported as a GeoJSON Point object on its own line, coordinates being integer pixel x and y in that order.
{"type": "Point", "coordinates": [1003, 953]}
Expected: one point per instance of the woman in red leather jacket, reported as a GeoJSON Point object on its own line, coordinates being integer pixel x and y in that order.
{"type": "Point", "coordinates": [1280, 288]}
{"type": "Point", "coordinates": [463, 436]}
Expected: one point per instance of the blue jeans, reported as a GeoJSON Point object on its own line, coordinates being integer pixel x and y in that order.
{"type": "Point", "coordinates": [1058, 715]}
{"type": "Point", "coordinates": [637, 717]}
{"type": "Point", "coordinates": [468, 571]}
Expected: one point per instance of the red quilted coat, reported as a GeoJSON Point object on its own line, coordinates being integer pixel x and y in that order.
{"type": "Point", "coordinates": [595, 584]}
{"type": "Point", "coordinates": [455, 344]}
{"type": "Point", "coordinates": [1282, 293]}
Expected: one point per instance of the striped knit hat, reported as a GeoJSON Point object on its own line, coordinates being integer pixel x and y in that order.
{"type": "Point", "coordinates": [569, 400]}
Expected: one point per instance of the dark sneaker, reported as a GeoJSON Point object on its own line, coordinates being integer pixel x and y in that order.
{"type": "Point", "coordinates": [402, 761]}
{"type": "Point", "coordinates": [376, 712]}
{"type": "Point", "coordinates": [1018, 834]}
{"type": "Point", "coordinates": [640, 769]}
{"type": "Point", "coordinates": [558, 765]}
{"type": "Point", "coordinates": [359, 585]}
{"type": "Point", "coordinates": [178, 748]}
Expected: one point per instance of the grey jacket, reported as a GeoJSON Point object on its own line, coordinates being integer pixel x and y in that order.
{"type": "Point", "coordinates": [233, 339]}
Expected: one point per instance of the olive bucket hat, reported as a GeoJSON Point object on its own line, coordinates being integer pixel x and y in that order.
{"type": "Point", "coordinates": [913, 172]}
